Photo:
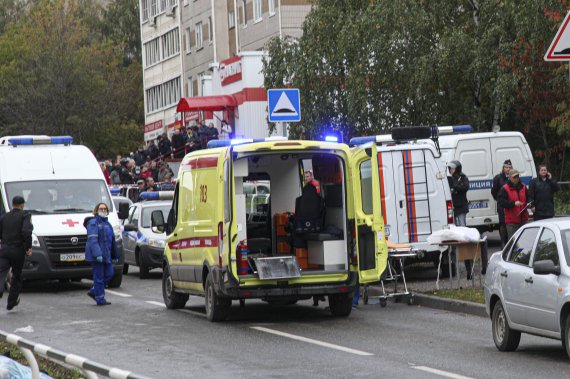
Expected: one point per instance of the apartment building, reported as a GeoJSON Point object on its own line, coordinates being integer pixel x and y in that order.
{"type": "Point", "coordinates": [189, 43]}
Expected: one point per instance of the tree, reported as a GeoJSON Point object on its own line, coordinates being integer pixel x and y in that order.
{"type": "Point", "coordinates": [58, 76]}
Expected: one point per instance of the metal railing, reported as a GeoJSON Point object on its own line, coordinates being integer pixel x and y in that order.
{"type": "Point", "coordinates": [91, 369]}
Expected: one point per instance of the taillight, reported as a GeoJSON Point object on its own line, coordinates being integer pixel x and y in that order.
{"type": "Point", "coordinates": [450, 212]}
{"type": "Point", "coordinates": [220, 243]}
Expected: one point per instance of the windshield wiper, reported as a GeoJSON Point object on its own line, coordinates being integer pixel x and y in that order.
{"type": "Point", "coordinates": [65, 210]}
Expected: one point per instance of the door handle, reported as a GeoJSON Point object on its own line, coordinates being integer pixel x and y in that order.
{"type": "Point", "coordinates": [528, 280]}
{"type": "Point", "coordinates": [504, 274]}
{"type": "Point", "coordinates": [401, 203]}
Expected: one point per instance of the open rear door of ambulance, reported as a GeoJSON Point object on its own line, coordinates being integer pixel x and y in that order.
{"type": "Point", "coordinates": [372, 250]}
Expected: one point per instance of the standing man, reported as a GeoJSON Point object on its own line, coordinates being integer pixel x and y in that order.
{"type": "Point", "coordinates": [16, 235]}
{"type": "Point", "coordinates": [498, 182]}
{"type": "Point", "coordinates": [541, 194]}
{"type": "Point", "coordinates": [459, 185]}
{"type": "Point", "coordinates": [513, 197]}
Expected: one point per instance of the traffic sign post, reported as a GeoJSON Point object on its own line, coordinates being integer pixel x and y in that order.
{"type": "Point", "coordinates": [284, 105]}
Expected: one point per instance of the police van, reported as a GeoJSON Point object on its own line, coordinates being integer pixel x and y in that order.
{"type": "Point", "coordinates": [482, 156]}
{"type": "Point", "coordinates": [216, 250]}
{"type": "Point", "coordinates": [414, 192]}
{"type": "Point", "coordinates": [61, 184]}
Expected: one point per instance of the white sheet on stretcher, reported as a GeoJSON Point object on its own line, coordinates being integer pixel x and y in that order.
{"type": "Point", "coordinates": [454, 233]}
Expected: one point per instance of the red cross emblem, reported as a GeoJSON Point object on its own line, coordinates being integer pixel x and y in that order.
{"type": "Point", "coordinates": [70, 222]}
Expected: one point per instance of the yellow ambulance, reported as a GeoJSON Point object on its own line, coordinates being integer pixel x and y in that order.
{"type": "Point", "coordinates": [244, 225]}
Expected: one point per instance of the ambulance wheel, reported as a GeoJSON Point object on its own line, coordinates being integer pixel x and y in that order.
{"type": "Point", "coordinates": [365, 295]}
{"type": "Point", "coordinates": [172, 300]}
{"type": "Point", "coordinates": [143, 271]}
{"type": "Point", "coordinates": [383, 303]}
{"type": "Point", "coordinates": [125, 269]}
{"type": "Point", "coordinates": [116, 280]}
{"type": "Point", "coordinates": [340, 304]}
{"type": "Point", "coordinates": [217, 308]}
{"type": "Point", "coordinates": [409, 133]}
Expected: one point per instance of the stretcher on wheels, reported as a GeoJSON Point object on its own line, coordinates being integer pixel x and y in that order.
{"type": "Point", "coordinates": [394, 273]}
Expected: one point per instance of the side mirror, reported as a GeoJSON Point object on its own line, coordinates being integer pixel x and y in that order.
{"type": "Point", "coordinates": [123, 211]}
{"type": "Point", "coordinates": [130, 228]}
{"type": "Point", "coordinates": [546, 267]}
{"type": "Point", "coordinates": [157, 220]}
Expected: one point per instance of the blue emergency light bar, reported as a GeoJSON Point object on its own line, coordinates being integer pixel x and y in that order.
{"type": "Point", "coordinates": [241, 141]}
{"type": "Point", "coordinates": [157, 195]}
{"type": "Point", "coordinates": [41, 140]}
{"type": "Point", "coordinates": [331, 138]}
{"type": "Point", "coordinates": [115, 191]}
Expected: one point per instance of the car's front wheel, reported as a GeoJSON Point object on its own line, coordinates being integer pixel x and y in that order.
{"type": "Point", "coordinates": [506, 339]}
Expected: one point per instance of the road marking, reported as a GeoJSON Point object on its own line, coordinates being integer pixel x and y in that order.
{"type": "Point", "coordinates": [118, 293]}
{"type": "Point", "coordinates": [445, 374]}
{"type": "Point", "coordinates": [157, 303]}
{"type": "Point", "coordinates": [195, 313]}
{"type": "Point", "coordinates": [312, 341]}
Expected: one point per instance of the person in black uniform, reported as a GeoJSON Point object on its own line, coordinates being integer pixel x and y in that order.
{"type": "Point", "coordinates": [498, 182]}
{"type": "Point", "coordinates": [16, 236]}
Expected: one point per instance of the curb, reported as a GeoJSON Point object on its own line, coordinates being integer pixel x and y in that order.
{"type": "Point", "coordinates": [450, 305]}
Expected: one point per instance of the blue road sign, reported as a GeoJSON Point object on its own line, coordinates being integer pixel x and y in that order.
{"type": "Point", "coordinates": [284, 105]}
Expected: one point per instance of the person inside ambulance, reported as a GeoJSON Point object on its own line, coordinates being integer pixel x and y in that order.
{"type": "Point", "coordinates": [309, 206]}
{"type": "Point", "coordinates": [40, 199]}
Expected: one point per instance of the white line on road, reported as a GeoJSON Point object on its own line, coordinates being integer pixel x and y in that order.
{"type": "Point", "coordinates": [157, 303]}
{"type": "Point", "coordinates": [118, 293]}
{"type": "Point", "coordinates": [445, 374]}
{"type": "Point", "coordinates": [309, 340]}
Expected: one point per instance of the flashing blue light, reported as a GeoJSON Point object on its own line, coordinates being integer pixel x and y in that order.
{"type": "Point", "coordinates": [218, 143]}
{"type": "Point", "coordinates": [20, 141]}
{"type": "Point", "coordinates": [462, 128]}
{"type": "Point", "coordinates": [362, 140]}
{"type": "Point", "coordinates": [62, 140]}
{"type": "Point", "coordinates": [331, 138]}
{"type": "Point", "coordinates": [115, 191]}
{"type": "Point", "coordinates": [150, 195]}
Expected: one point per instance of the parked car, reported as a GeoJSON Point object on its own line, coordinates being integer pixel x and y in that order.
{"type": "Point", "coordinates": [527, 285]}
{"type": "Point", "coordinates": [143, 246]}
{"type": "Point", "coordinates": [120, 199]}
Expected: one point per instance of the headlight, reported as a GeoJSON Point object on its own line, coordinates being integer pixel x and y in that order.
{"type": "Point", "coordinates": [156, 243]}
{"type": "Point", "coordinates": [35, 241]}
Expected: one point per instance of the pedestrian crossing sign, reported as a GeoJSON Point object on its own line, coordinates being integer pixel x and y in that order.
{"type": "Point", "coordinates": [284, 105]}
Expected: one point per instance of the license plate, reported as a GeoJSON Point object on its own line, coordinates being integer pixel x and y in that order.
{"type": "Point", "coordinates": [77, 257]}
{"type": "Point", "coordinates": [478, 204]}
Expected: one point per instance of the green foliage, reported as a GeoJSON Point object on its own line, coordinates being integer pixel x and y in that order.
{"type": "Point", "coordinates": [59, 74]}
{"type": "Point", "coordinates": [364, 67]}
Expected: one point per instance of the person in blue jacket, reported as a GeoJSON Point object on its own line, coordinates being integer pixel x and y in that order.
{"type": "Point", "coordinates": [100, 251]}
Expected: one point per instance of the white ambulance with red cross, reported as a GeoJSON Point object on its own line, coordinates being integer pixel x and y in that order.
{"type": "Point", "coordinates": [61, 184]}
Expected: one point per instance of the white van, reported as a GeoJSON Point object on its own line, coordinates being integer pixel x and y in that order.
{"type": "Point", "coordinates": [61, 184]}
{"type": "Point", "coordinates": [415, 194]}
{"type": "Point", "coordinates": [482, 156]}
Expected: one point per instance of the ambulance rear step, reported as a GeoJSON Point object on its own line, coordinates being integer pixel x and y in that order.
{"type": "Point", "coordinates": [277, 267]}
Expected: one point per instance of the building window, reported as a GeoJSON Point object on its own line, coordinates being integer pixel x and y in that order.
{"type": "Point", "coordinates": [271, 7]}
{"type": "Point", "coordinates": [257, 12]}
{"type": "Point", "coordinates": [170, 43]}
{"type": "Point", "coordinates": [163, 95]}
{"type": "Point", "coordinates": [188, 47]}
{"type": "Point", "coordinates": [190, 87]}
{"type": "Point", "coordinates": [199, 35]}
{"type": "Point", "coordinates": [162, 5]}
{"type": "Point", "coordinates": [210, 30]}
{"type": "Point", "coordinates": [232, 19]}
{"type": "Point", "coordinates": [244, 12]}
{"type": "Point", "coordinates": [152, 52]}
{"type": "Point", "coordinates": [144, 7]}
{"type": "Point", "coordinates": [153, 8]}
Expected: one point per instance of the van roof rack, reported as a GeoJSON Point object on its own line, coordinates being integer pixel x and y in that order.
{"type": "Point", "coordinates": [412, 133]}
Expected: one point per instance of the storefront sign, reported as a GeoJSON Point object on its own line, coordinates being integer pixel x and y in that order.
{"type": "Point", "coordinates": [153, 126]}
{"type": "Point", "coordinates": [230, 70]}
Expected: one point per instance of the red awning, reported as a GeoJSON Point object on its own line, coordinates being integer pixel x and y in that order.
{"type": "Point", "coordinates": [206, 103]}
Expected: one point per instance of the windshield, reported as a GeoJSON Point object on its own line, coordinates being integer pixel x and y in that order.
{"type": "Point", "coordinates": [147, 212]}
{"type": "Point", "coordinates": [566, 243]}
{"type": "Point", "coordinates": [60, 196]}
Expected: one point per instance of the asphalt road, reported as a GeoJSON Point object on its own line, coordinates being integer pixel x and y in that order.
{"type": "Point", "coordinates": [137, 333]}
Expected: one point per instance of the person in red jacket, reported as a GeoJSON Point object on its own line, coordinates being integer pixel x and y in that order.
{"type": "Point", "coordinates": [513, 198]}
{"type": "Point", "coordinates": [106, 173]}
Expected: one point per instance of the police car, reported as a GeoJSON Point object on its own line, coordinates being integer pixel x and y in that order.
{"type": "Point", "coordinates": [143, 246]}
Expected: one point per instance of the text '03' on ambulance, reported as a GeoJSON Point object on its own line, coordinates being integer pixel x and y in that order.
{"type": "Point", "coordinates": [61, 183]}
{"type": "Point", "coordinates": [414, 192]}
{"type": "Point", "coordinates": [245, 225]}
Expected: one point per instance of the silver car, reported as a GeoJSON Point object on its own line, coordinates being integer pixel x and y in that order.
{"type": "Point", "coordinates": [527, 286]}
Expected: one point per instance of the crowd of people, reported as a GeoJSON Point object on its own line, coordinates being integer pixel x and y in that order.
{"type": "Point", "coordinates": [147, 165]}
